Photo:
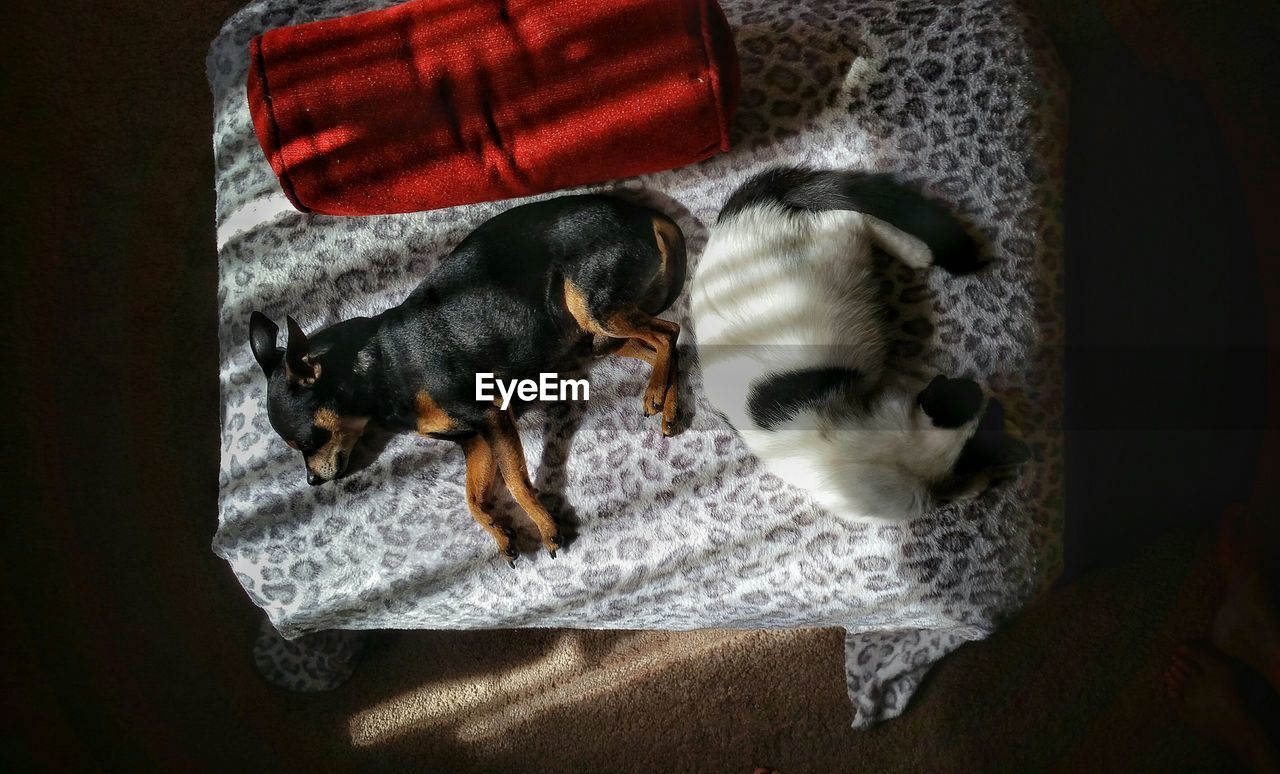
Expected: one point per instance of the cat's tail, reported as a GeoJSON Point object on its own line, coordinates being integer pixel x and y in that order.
{"type": "Point", "coordinates": [877, 195]}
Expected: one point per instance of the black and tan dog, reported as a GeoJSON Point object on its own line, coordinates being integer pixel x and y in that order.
{"type": "Point", "coordinates": [516, 298]}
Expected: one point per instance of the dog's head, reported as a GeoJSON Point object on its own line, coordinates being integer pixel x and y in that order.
{"type": "Point", "coordinates": [302, 404]}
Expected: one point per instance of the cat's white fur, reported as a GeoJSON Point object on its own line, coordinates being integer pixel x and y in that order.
{"type": "Point", "coordinates": [779, 290]}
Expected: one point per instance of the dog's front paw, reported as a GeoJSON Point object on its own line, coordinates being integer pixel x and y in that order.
{"type": "Point", "coordinates": [671, 407]}
{"type": "Point", "coordinates": [671, 416]}
{"type": "Point", "coordinates": [552, 542]}
{"type": "Point", "coordinates": [505, 537]}
{"type": "Point", "coordinates": [654, 398]}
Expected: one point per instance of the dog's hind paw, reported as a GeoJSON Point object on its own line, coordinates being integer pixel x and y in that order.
{"type": "Point", "coordinates": [510, 553]}
{"type": "Point", "coordinates": [672, 416]}
{"type": "Point", "coordinates": [650, 407]}
{"type": "Point", "coordinates": [669, 426]}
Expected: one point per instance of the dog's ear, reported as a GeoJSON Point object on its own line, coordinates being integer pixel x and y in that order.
{"type": "Point", "coordinates": [297, 361]}
{"type": "Point", "coordinates": [262, 340]}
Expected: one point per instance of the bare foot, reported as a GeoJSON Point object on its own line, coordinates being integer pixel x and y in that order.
{"type": "Point", "coordinates": [1202, 685]}
{"type": "Point", "coordinates": [1247, 624]}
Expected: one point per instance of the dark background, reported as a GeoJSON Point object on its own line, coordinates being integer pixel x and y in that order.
{"type": "Point", "coordinates": [127, 640]}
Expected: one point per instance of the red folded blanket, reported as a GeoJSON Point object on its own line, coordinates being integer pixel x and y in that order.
{"type": "Point", "coordinates": [435, 103]}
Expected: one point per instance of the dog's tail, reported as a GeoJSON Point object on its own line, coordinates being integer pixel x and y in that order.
{"type": "Point", "coordinates": [877, 195]}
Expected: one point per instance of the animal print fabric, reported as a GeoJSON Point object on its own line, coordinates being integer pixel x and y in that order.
{"type": "Point", "coordinates": [964, 99]}
{"type": "Point", "coordinates": [308, 664]}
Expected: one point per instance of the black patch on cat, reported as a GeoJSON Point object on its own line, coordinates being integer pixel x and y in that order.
{"type": "Point", "coordinates": [778, 397]}
{"type": "Point", "coordinates": [950, 403]}
{"type": "Point", "coordinates": [878, 195]}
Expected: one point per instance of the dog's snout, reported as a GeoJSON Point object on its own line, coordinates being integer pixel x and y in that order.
{"type": "Point", "coordinates": [313, 479]}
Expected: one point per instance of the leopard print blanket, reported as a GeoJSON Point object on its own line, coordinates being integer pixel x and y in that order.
{"type": "Point", "coordinates": [964, 99]}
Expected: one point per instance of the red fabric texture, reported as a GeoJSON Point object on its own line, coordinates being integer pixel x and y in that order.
{"type": "Point", "coordinates": [435, 103]}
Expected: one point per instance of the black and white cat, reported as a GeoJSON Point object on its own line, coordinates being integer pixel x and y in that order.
{"type": "Point", "coordinates": [793, 345]}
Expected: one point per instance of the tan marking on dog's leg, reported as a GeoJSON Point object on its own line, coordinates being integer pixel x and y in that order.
{"type": "Point", "coordinates": [671, 401]}
{"type": "Point", "coordinates": [669, 278]}
{"type": "Point", "coordinates": [661, 336]}
{"type": "Point", "coordinates": [430, 417]}
{"type": "Point", "coordinates": [648, 338]}
{"type": "Point", "coordinates": [636, 350]}
{"type": "Point", "coordinates": [482, 474]}
{"type": "Point", "coordinates": [509, 453]}
{"type": "Point", "coordinates": [664, 236]}
{"type": "Point", "coordinates": [576, 303]}
{"type": "Point", "coordinates": [666, 326]}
